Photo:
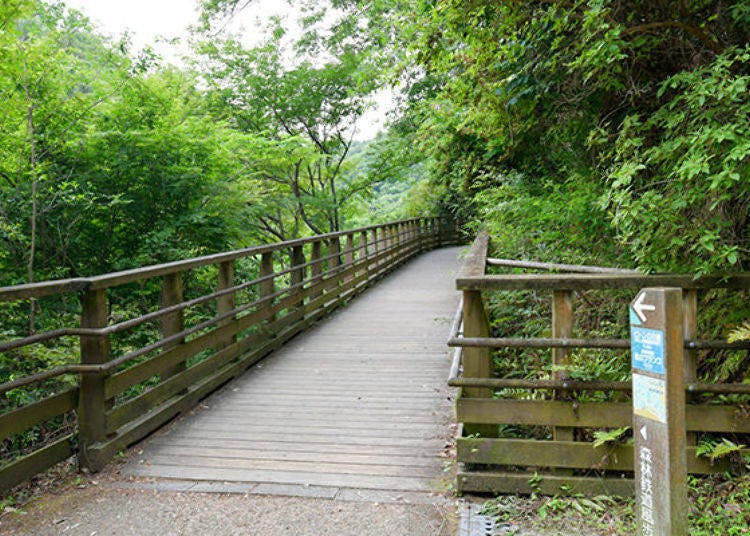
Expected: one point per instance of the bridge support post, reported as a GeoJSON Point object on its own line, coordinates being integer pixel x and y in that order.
{"type": "Point", "coordinates": [266, 286]}
{"type": "Point", "coordinates": [316, 268]}
{"type": "Point", "coordinates": [297, 275]}
{"type": "Point", "coordinates": [690, 333]}
{"type": "Point", "coordinates": [334, 265]}
{"type": "Point", "coordinates": [477, 362]}
{"type": "Point", "coordinates": [225, 304]}
{"type": "Point", "coordinates": [562, 328]}
{"type": "Point", "coordinates": [376, 248]}
{"type": "Point", "coordinates": [364, 255]}
{"type": "Point", "coordinates": [92, 403]}
{"type": "Point", "coordinates": [172, 323]}
{"type": "Point", "coordinates": [349, 257]}
{"type": "Point", "coordinates": [334, 252]}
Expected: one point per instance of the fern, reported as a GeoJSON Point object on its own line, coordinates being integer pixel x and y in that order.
{"type": "Point", "coordinates": [602, 437]}
{"type": "Point", "coordinates": [742, 333]}
{"type": "Point", "coordinates": [717, 450]}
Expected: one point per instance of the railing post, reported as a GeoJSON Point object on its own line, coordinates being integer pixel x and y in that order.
{"type": "Point", "coordinates": [297, 275]}
{"type": "Point", "coordinates": [316, 268]}
{"type": "Point", "coordinates": [349, 256]}
{"type": "Point", "coordinates": [364, 255]}
{"type": "Point", "coordinates": [562, 328]}
{"type": "Point", "coordinates": [266, 287]}
{"type": "Point", "coordinates": [690, 332]}
{"type": "Point", "coordinates": [377, 236]}
{"type": "Point", "coordinates": [92, 404]}
{"type": "Point", "coordinates": [387, 244]}
{"type": "Point", "coordinates": [334, 252]}
{"type": "Point", "coordinates": [396, 249]}
{"type": "Point", "coordinates": [172, 323]}
{"type": "Point", "coordinates": [225, 304]}
{"type": "Point", "coordinates": [477, 362]}
{"type": "Point", "coordinates": [334, 265]}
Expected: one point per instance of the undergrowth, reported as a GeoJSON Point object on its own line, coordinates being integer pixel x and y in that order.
{"type": "Point", "coordinates": [718, 505]}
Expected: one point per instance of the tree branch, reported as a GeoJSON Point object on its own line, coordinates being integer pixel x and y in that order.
{"type": "Point", "coordinates": [708, 41]}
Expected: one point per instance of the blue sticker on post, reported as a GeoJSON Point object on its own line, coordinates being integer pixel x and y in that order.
{"type": "Point", "coordinates": [647, 348]}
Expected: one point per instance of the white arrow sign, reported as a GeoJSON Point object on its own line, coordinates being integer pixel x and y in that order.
{"type": "Point", "coordinates": [644, 433]}
{"type": "Point", "coordinates": [639, 307]}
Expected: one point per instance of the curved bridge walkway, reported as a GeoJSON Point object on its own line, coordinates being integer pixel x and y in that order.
{"type": "Point", "coordinates": [357, 407]}
{"type": "Point", "coordinates": [344, 431]}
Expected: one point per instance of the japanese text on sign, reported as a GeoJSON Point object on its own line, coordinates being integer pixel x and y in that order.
{"type": "Point", "coordinates": [647, 346]}
{"type": "Point", "coordinates": [646, 504]}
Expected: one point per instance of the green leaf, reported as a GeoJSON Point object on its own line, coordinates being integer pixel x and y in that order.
{"type": "Point", "coordinates": [603, 437]}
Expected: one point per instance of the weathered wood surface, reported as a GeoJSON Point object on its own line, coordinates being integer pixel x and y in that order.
{"type": "Point", "coordinates": [357, 402]}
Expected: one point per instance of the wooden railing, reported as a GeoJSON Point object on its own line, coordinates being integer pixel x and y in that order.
{"type": "Point", "coordinates": [562, 462]}
{"type": "Point", "coordinates": [113, 401]}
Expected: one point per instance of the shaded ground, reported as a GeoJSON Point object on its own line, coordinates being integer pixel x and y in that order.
{"type": "Point", "coordinates": [103, 510]}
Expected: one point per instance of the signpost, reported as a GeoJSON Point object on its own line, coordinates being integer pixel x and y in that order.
{"type": "Point", "coordinates": [659, 412]}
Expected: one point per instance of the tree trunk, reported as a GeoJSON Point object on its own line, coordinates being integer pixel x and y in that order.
{"type": "Point", "coordinates": [34, 188]}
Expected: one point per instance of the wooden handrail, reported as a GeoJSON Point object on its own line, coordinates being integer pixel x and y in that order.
{"type": "Point", "coordinates": [103, 281]}
{"type": "Point", "coordinates": [482, 456]}
{"type": "Point", "coordinates": [554, 266]}
{"type": "Point", "coordinates": [285, 300]}
{"type": "Point", "coordinates": [600, 281]}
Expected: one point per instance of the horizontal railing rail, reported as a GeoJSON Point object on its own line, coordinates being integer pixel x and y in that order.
{"type": "Point", "coordinates": [110, 401]}
{"type": "Point", "coordinates": [488, 463]}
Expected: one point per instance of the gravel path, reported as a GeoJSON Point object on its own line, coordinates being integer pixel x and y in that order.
{"type": "Point", "coordinates": [102, 510]}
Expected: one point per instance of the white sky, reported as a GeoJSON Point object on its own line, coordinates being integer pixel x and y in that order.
{"type": "Point", "coordinates": [148, 21]}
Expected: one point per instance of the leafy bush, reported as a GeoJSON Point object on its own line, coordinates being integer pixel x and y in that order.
{"type": "Point", "coordinates": [679, 189]}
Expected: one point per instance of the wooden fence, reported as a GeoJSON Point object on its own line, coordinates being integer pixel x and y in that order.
{"type": "Point", "coordinates": [563, 463]}
{"type": "Point", "coordinates": [115, 401]}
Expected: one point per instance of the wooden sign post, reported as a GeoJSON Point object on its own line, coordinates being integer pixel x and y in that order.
{"type": "Point", "coordinates": [659, 412]}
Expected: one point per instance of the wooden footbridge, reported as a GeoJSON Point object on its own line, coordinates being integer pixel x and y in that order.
{"type": "Point", "coordinates": [356, 406]}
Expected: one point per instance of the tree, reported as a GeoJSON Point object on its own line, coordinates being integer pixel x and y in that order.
{"type": "Point", "coordinates": [536, 99]}
{"type": "Point", "coordinates": [47, 56]}
{"type": "Point", "coordinates": [314, 102]}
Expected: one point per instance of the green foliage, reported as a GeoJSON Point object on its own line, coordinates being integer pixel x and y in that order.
{"type": "Point", "coordinates": [549, 222]}
{"type": "Point", "coordinates": [742, 333]}
{"type": "Point", "coordinates": [715, 450]}
{"type": "Point", "coordinates": [605, 437]}
{"type": "Point", "coordinates": [719, 505]}
{"type": "Point", "coordinates": [679, 187]}
{"type": "Point", "coordinates": [313, 105]}
{"type": "Point", "coordinates": [603, 514]}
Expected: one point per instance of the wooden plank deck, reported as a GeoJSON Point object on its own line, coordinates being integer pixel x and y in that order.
{"type": "Point", "coordinates": [357, 405]}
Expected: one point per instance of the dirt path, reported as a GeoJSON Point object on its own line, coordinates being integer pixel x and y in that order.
{"type": "Point", "coordinates": [105, 510]}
